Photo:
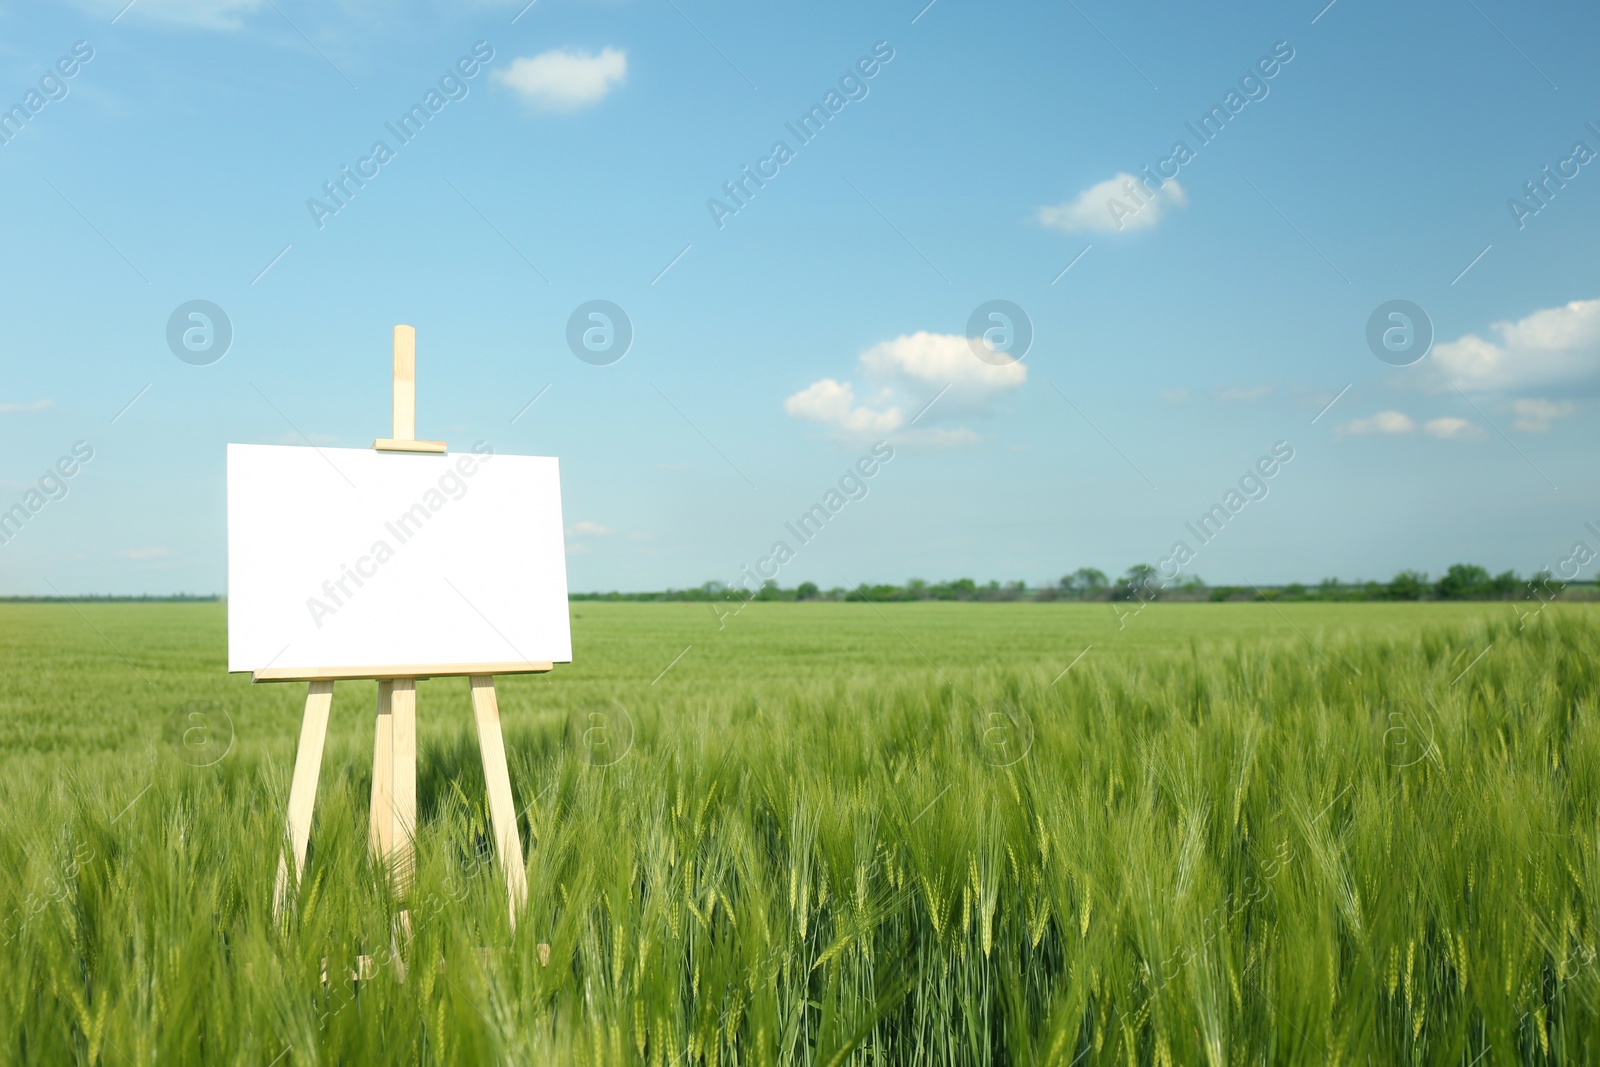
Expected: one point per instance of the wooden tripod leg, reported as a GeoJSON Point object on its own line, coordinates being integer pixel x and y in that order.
{"type": "Point", "coordinates": [303, 791]}
{"type": "Point", "coordinates": [394, 777]}
{"type": "Point", "coordinates": [382, 816]}
{"type": "Point", "coordinates": [502, 811]}
{"type": "Point", "coordinates": [403, 708]}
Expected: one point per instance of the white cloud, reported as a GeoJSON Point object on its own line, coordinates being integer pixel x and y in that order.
{"type": "Point", "coordinates": [938, 359]}
{"type": "Point", "coordinates": [1450, 428]}
{"type": "Point", "coordinates": [16, 409]}
{"type": "Point", "coordinates": [1551, 347]}
{"type": "Point", "coordinates": [1395, 423]}
{"type": "Point", "coordinates": [909, 372]}
{"type": "Point", "coordinates": [145, 553]}
{"type": "Point", "coordinates": [1119, 203]}
{"type": "Point", "coordinates": [587, 529]}
{"type": "Point", "coordinates": [1175, 396]}
{"type": "Point", "coordinates": [1243, 394]}
{"type": "Point", "coordinates": [1384, 422]}
{"type": "Point", "coordinates": [834, 403]}
{"type": "Point", "coordinates": [1534, 415]}
{"type": "Point", "coordinates": [196, 14]}
{"type": "Point", "coordinates": [565, 79]}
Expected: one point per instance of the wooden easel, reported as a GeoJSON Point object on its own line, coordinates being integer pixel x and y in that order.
{"type": "Point", "coordinates": [394, 748]}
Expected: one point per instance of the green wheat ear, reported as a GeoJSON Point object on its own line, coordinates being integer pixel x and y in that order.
{"type": "Point", "coordinates": [1216, 848]}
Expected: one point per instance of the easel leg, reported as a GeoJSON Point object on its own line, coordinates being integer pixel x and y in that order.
{"type": "Point", "coordinates": [404, 714]}
{"type": "Point", "coordinates": [303, 790]}
{"type": "Point", "coordinates": [502, 811]}
{"type": "Point", "coordinates": [394, 777]}
{"type": "Point", "coordinates": [382, 815]}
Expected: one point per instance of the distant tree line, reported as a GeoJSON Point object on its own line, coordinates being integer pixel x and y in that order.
{"type": "Point", "coordinates": [1462, 581]}
{"type": "Point", "coordinates": [110, 598]}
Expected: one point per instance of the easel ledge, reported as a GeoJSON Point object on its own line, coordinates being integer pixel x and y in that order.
{"type": "Point", "coordinates": [416, 672]}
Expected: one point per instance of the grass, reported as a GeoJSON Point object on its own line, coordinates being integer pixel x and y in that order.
{"type": "Point", "coordinates": [830, 833]}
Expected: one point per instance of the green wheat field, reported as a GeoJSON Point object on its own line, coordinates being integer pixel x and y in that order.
{"type": "Point", "coordinates": [828, 833]}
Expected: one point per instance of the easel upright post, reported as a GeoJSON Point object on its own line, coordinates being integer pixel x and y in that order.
{"type": "Point", "coordinates": [394, 779]}
{"type": "Point", "coordinates": [404, 748]}
{"type": "Point", "coordinates": [382, 810]}
{"type": "Point", "coordinates": [405, 383]}
{"type": "Point", "coordinates": [404, 423]}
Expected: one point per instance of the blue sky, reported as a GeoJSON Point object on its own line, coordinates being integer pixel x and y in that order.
{"type": "Point", "coordinates": [770, 352]}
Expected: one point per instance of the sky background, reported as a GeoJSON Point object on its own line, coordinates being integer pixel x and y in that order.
{"type": "Point", "coordinates": [772, 351]}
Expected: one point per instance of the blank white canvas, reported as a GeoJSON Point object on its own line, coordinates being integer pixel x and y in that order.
{"type": "Point", "coordinates": [349, 557]}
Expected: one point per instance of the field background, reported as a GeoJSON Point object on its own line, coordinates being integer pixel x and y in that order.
{"type": "Point", "coordinates": [830, 832]}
